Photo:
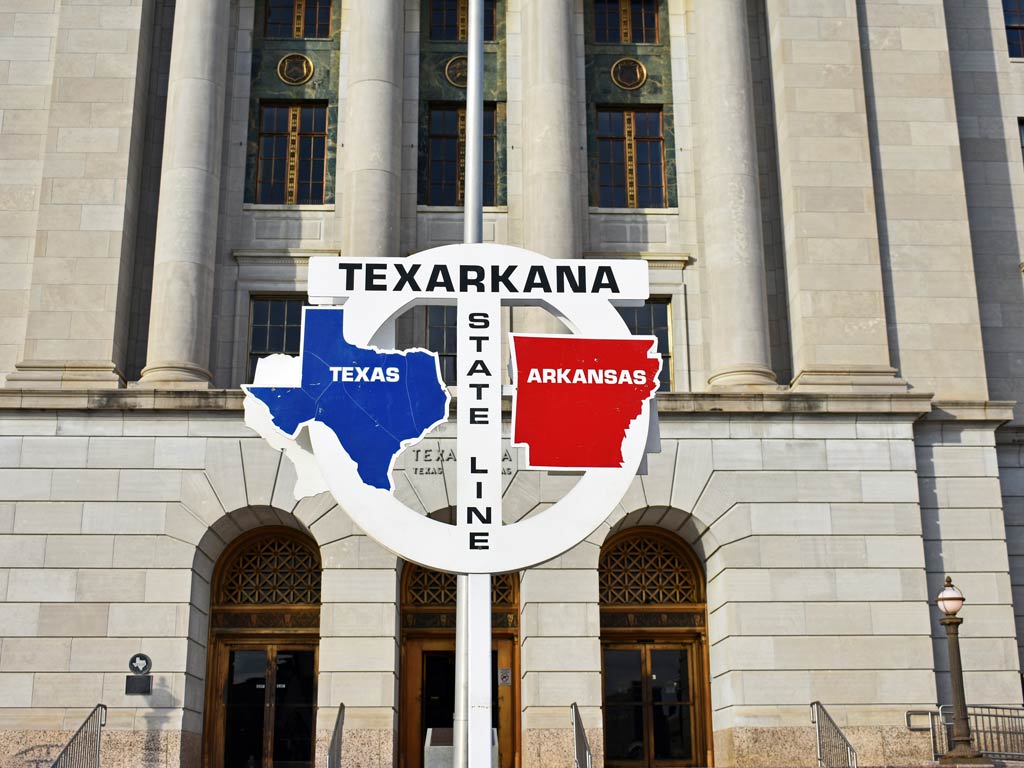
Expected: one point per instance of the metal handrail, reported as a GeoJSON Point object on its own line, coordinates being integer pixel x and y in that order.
{"type": "Point", "coordinates": [834, 749]}
{"type": "Point", "coordinates": [996, 731]}
{"type": "Point", "coordinates": [334, 751]}
{"type": "Point", "coordinates": [83, 749]}
{"type": "Point", "coordinates": [937, 734]}
{"type": "Point", "coordinates": [581, 747]}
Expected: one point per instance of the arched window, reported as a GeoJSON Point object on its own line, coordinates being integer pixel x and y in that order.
{"type": "Point", "coordinates": [642, 567]}
{"type": "Point", "coordinates": [268, 579]}
{"type": "Point", "coordinates": [428, 599]}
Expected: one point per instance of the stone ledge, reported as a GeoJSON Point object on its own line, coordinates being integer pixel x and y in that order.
{"type": "Point", "coordinates": [972, 410]}
{"type": "Point", "coordinates": [134, 399]}
{"type": "Point", "coordinates": [669, 404]}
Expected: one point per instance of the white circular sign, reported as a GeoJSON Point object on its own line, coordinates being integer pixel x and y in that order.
{"type": "Point", "coordinates": [587, 311]}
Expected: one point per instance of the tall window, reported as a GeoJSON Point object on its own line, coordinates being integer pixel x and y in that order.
{"type": "Point", "coordinates": [652, 319]}
{"type": "Point", "coordinates": [631, 158]}
{"type": "Point", "coordinates": [446, 146]}
{"type": "Point", "coordinates": [449, 20]}
{"type": "Point", "coordinates": [275, 325]}
{"type": "Point", "coordinates": [1013, 15]}
{"type": "Point", "coordinates": [298, 18]}
{"type": "Point", "coordinates": [441, 339]}
{"type": "Point", "coordinates": [626, 21]}
{"type": "Point", "coordinates": [292, 153]}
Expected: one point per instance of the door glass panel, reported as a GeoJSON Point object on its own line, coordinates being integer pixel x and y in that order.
{"type": "Point", "coordinates": [670, 702]}
{"type": "Point", "coordinates": [438, 690]}
{"type": "Point", "coordinates": [623, 678]}
{"type": "Point", "coordinates": [494, 689]}
{"type": "Point", "coordinates": [623, 705]}
{"type": "Point", "coordinates": [247, 687]}
{"type": "Point", "coordinates": [294, 699]}
{"type": "Point", "coordinates": [438, 694]}
{"type": "Point", "coordinates": [623, 732]}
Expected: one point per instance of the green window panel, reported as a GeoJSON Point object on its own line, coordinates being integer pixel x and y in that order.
{"type": "Point", "coordinates": [441, 136]}
{"type": "Point", "coordinates": [301, 118]}
{"type": "Point", "coordinates": [630, 120]}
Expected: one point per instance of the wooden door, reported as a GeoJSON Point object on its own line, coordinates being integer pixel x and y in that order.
{"type": "Point", "coordinates": [263, 708]}
{"type": "Point", "coordinates": [428, 695]}
{"type": "Point", "coordinates": [652, 709]}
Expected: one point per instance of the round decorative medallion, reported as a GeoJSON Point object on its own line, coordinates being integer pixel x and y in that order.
{"type": "Point", "coordinates": [295, 69]}
{"type": "Point", "coordinates": [456, 71]}
{"type": "Point", "coordinates": [629, 74]}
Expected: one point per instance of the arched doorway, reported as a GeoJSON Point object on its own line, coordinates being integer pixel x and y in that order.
{"type": "Point", "coordinates": [654, 652]}
{"type": "Point", "coordinates": [262, 661]}
{"type": "Point", "coordinates": [428, 661]}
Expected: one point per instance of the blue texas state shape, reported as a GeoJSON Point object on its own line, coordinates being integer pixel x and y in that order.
{"type": "Point", "coordinates": [376, 402]}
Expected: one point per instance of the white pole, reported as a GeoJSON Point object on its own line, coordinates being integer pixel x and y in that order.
{"type": "Point", "coordinates": [479, 730]}
{"type": "Point", "coordinates": [472, 721]}
{"type": "Point", "coordinates": [460, 756]}
{"type": "Point", "coordinates": [473, 223]}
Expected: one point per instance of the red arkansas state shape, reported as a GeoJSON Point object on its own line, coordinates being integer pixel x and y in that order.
{"type": "Point", "coordinates": [575, 397]}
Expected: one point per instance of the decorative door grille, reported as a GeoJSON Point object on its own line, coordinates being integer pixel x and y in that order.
{"type": "Point", "coordinates": [646, 571]}
{"type": "Point", "coordinates": [427, 588]}
{"type": "Point", "coordinates": [272, 570]}
{"type": "Point", "coordinates": [428, 599]}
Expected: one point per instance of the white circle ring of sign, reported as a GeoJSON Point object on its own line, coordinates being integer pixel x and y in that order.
{"type": "Point", "coordinates": [420, 539]}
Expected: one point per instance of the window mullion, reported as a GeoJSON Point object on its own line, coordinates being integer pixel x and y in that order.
{"type": "Point", "coordinates": [625, 22]}
{"type": "Point", "coordinates": [463, 15]}
{"type": "Point", "coordinates": [292, 177]}
{"type": "Point", "coordinates": [460, 181]}
{"type": "Point", "coordinates": [629, 128]}
{"type": "Point", "coordinates": [299, 18]}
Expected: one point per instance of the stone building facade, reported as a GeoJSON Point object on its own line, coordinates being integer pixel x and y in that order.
{"type": "Point", "coordinates": [826, 192]}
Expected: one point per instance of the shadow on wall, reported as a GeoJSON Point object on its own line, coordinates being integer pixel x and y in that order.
{"type": "Point", "coordinates": [991, 167]}
{"type": "Point", "coordinates": [771, 195]}
{"type": "Point", "coordinates": [992, 163]}
{"type": "Point", "coordinates": [37, 755]}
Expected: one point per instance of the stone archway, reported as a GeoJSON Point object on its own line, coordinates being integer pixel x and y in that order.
{"type": "Point", "coordinates": [262, 651]}
{"type": "Point", "coordinates": [654, 651]}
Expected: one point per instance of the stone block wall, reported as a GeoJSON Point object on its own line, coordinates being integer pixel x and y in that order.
{"type": "Point", "coordinates": [820, 535]}
{"type": "Point", "coordinates": [28, 35]}
{"type": "Point", "coordinates": [966, 538]}
{"type": "Point", "coordinates": [110, 525]}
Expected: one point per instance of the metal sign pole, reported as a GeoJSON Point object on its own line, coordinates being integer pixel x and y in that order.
{"type": "Point", "coordinates": [472, 721]}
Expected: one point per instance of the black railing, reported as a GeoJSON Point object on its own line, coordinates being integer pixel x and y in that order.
{"type": "Point", "coordinates": [581, 747]}
{"type": "Point", "coordinates": [834, 749]}
{"type": "Point", "coordinates": [83, 750]}
{"type": "Point", "coordinates": [996, 731]}
{"type": "Point", "coordinates": [334, 751]}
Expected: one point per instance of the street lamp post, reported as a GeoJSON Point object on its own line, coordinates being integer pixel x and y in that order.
{"type": "Point", "coordinates": [950, 600]}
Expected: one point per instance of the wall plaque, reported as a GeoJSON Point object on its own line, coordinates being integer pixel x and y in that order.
{"type": "Point", "coordinates": [456, 71]}
{"type": "Point", "coordinates": [295, 69]}
{"type": "Point", "coordinates": [629, 74]}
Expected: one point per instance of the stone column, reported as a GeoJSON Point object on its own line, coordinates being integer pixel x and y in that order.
{"type": "Point", "coordinates": [550, 145]}
{"type": "Point", "coordinates": [733, 248]}
{"type": "Point", "coordinates": [186, 233]}
{"type": "Point", "coordinates": [371, 179]}
{"type": "Point", "coordinates": [829, 219]}
{"type": "Point", "coordinates": [551, 184]}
